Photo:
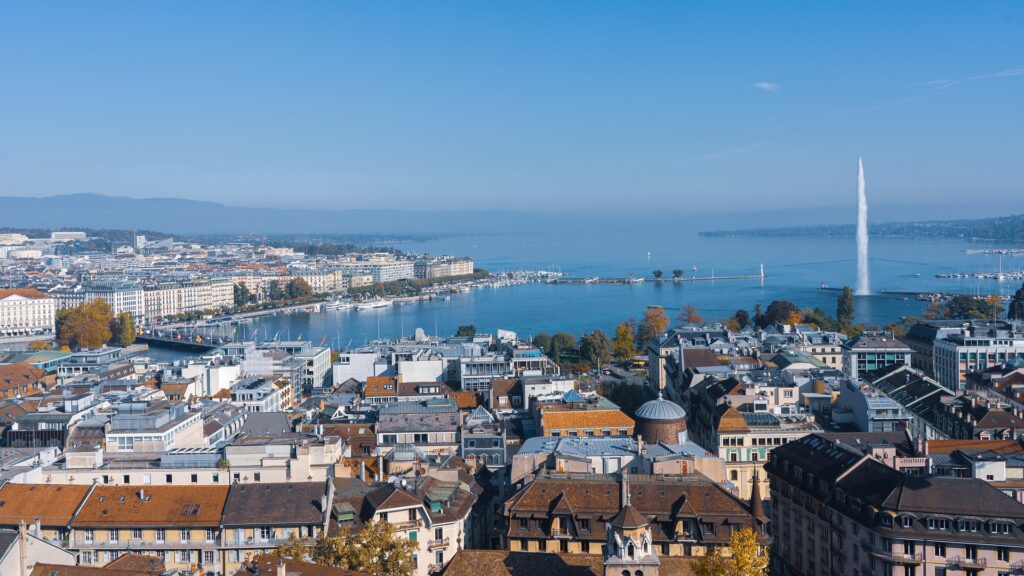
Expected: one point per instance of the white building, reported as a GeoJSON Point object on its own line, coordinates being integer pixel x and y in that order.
{"type": "Point", "coordinates": [121, 297]}
{"type": "Point", "coordinates": [25, 313]}
{"type": "Point", "coordinates": [974, 348]}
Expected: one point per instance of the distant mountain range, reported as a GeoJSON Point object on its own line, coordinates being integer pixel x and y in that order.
{"type": "Point", "coordinates": [1002, 228]}
{"type": "Point", "coordinates": [180, 216]}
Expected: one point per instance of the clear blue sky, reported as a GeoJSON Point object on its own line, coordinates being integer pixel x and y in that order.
{"type": "Point", "coordinates": [674, 106]}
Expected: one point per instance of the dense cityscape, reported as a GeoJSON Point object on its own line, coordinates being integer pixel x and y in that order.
{"type": "Point", "coordinates": [783, 438]}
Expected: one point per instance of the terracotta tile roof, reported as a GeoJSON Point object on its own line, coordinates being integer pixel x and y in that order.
{"type": "Point", "coordinates": [153, 506]}
{"type": "Point", "coordinates": [381, 386]}
{"type": "Point", "coordinates": [24, 292]}
{"type": "Point", "coordinates": [19, 374]}
{"type": "Point", "coordinates": [504, 563]}
{"type": "Point", "coordinates": [730, 420]}
{"type": "Point", "coordinates": [997, 446]}
{"type": "Point", "coordinates": [464, 399]}
{"type": "Point", "coordinates": [700, 357]}
{"type": "Point", "coordinates": [140, 563]}
{"type": "Point", "coordinates": [579, 419]}
{"type": "Point", "coordinates": [266, 565]}
{"type": "Point", "coordinates": [52, 505]}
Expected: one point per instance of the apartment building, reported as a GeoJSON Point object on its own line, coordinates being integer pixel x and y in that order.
{"type": "Point", "coordinates": [570, 513]}
{"type": "Point", "coordinates": [263, 394]}
{"type": "Point", "coordinates": [840, 512]}
{"type": "Point", "coordinates": [431, 425]}
{"type": "Point", "coordinates": [122, 297]}
{"type": "Point", "coordinates": [977, 346]}
{"type": "Point", "coordinates": [180, 524]}
{"type": "Point", "coordinates": [574, 415]}
{"type": "Point", "coordinates": [141, 426]}
{"type": "Point", "coordinates": [26, 312]}
{"type": "Point", "coordinates": [873, 350]}
{"type": "Point", "coordinates": [381, 269]}
{"type": "Point", "coordinates": [195, 296]}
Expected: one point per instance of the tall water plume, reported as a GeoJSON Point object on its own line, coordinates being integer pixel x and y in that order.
{"type": "Point", "coordinates": [863, 279]}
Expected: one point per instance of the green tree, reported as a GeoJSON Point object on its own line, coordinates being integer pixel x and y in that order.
{"type": "Point", "coordinates": [595, 348]}
{"type": "Point", "coordinates": [742, 318]}
{"type": "Point", "coordinates": [758, 317]}
{"type": "Point", "coordinates": [658, 274]}
{"type": "Point", "coordinates": [965, 307]}
{"type": "Point", "coordinates": [123, 329]}
{"type": "Point", "coordinates": [823, 321]}
{"type": "Point", "coordinates": [295, 548]}
{"type": "Point", "coordinates": [778, 312]}
{"type": "Point", "coordinates": [747, 558]}
{"type": "Point", "coordinates": [561, 343]}
{"type": "Point", "coordinates": [677, 273]}
{"type": "Point", "coordinates": [242, 295]}
{"type": "Point", "coordinates": [845, 309]}
{"type": "Point", "coordinates": [274, 291]}
{"type": "Point", "coordinates": [298, 288]}
{"type": "Point", "coordinates": [1016, 311]}
{"type": "Point", "coordinates": [542, 341]}
{"type": "Point", "coordinates": [623, 345]}
{"type": "Point", "coordinates": [466, 331]}
{"type": "Point", "coordinates": [86, 325]}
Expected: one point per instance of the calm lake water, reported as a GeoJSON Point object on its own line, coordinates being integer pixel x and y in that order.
{"type": "Point", "coordinates": [795, 269]}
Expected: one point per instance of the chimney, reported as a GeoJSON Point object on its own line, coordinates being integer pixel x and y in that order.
{"type": "Point", "coordinates": [142, 494]}
{"type": "Point", "coordinates": [380, 467]}
{"type": "Point", "coordinates": [281, 569]}
{"type": "Point", "coordinates": [362, 470]}
{"type": "Point", "coordinates": [22, 550]}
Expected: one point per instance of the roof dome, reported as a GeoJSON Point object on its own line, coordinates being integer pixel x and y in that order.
{"type": "Point", "coordinates": [660, 409]}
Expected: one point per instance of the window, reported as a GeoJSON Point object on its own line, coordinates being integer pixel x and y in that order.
{"type": "Point", "coordinates": [215, 478]}
{"type": "Point", "coordinates": [208, 558]}
{"type": "Point", "coordinates": [87, 536]}
{"type": "Point", "coordinates": [971, 552]}
{"type": "Point", "coordinates": [169, 478]}
{"type": "Point", "coordinates": [412, 536]}
{"type": "Point", "coordinates": [906, 522]}
{"type": "Point", "coordinates": [126, 479]}
{"type": "Point", "coordinates": [266, 533]}
{"type": "Point", "coordinates": [1004, 554]}
{"type": "Point", "coordinates": [439, 557]}
{"type": "Point", "coordinates": [160, 535]}
{"type": "Point", "coordinates": [584, 524]}
{"type": "Point", "coordinates": [438, 534]}
{"type": "Point", "coordinates": [256, 476]}
{"type": "Point", "coordinates": [136, 534]}
{"type": "Point", "coordinates": [412, 515]}
{"type": "Point", "coordinates": [209, 535]}
{"type": "Point", "coordinates": [183, 536]}
{"type": "Point", "coordinates": [524, 523]}
{"type": "Point", "coordinates": [940, 549]}
{"type": "Point", "coordinates": [389, 439]}
{"type": "Point", "coordinates": [420, 438]}
{"type": "Point", "coordinates": [112, 535]}
{"type": "Point", "coordinates": [195, 478]}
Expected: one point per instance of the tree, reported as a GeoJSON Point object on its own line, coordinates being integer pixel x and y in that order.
{"type": "Point", "coordinates": [655, 322]}
{"type": "Point", "coordinates": [742, 318]}
{"type": "Point", "coordinates": [560, 343]}
{"type": "Point", "coordinates": [677, 273]}
{"type": "Point", "coordinates": [845, 309]}
{"type": "Point", "coordinates": [758, 316]}
{"type": "Point", "coordinates": [242, 295]}
{"type": "Point", "coordinates": [466, 331]}
{"type": "Point", "coordinates": [1016, 311]}
{"type": "Point", "coordinates": [542, 341]}
{"type": "Point", "coordinates": [934, 310]}
{"type": "Point", "coordinates": [690, 316]}
{"type": "Point", "coordinates": [298, 288]}
{"type": "Point", "coordinates": [623, 345]}
{"type": "Point", "coordinates": [778, 313]}
{"type": "Point", "coordinates": [123, 329]}
{"type": "Point", "coordinates": [40, 345]}
{"type": "Point", "coordinates": [820, 319]}
{"type": "Point", "coordinates": [748, 558]}
{"type": "Point", "coordinates": [274, 291]}
{"type": "Point", "coordinates": [295, 548]}
{"type": "Point", "coordinates": [658, 274]}
{"type": "Point", "coordinates": [965, 307]}
{"type": "Point", "coordinates": [86, 325]}
{"type": "Point", "coordinates": [595, 348]}
{"type": "Point", "coordinates": [375, 549]}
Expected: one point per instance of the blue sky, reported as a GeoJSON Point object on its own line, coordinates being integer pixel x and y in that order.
{"type": "Point", "coordinates": [679, 107]}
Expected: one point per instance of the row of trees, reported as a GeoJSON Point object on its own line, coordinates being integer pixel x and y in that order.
{"type": "Point", "coordinates": [676, 273]}
{"type": "Point", "coordinates": [93, 324]}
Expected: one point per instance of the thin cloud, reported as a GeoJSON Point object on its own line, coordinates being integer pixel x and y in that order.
{"type": "Point", "coordinates": [767, 87]}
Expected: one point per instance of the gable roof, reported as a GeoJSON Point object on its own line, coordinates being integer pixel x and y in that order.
{"type": "Point", "coordinates": [153, 506]}
{"type": "Point", "coordinates": [286, 503]}
{"type": "Point", "coordinates": [52, 505]}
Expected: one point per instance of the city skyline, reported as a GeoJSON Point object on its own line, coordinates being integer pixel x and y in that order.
{"type": "Point", "coordinates": [458, 106]}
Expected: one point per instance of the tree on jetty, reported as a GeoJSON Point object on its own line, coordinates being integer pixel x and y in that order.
{"type": "Point", "coordinates": [677, 273]}
{"type": "Point", "coordinates": [623, 345]}
{"type": "Point", "coordinates": [466, 331]}
{"type": "Point", "coordinates": [658, 274]}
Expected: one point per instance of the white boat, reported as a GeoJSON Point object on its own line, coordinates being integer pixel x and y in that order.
{"type": "Point", "coordinates": [373, 304]}
{"type": "Point", "coordinates": [339, 305]}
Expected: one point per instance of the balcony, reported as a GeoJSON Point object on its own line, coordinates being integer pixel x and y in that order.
{"type": "Point", "coordinates": [435, 568]}
{"type": "Point", "coordinates": [407, 524]}
{"type": "Point", "coordinates": [967, 563]}
{"type": "Point", "coordinates": [898, 557]}
{"type": "Point", "coordinates": [442, 543]}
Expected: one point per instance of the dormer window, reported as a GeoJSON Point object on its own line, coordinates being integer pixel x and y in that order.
{"type": "Point", "coordinates": [906, 522]}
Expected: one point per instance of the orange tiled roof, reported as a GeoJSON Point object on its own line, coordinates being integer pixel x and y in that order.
{"type": "Point", "coordinates": [53, 505]}
{"type": "Point", "coordinates": [153, 506]}
{"type": "Point", "coordinates": [997, 446]}
{"type": "Point", "coordinates": [579, 419]}
{"type": "Point", "coordinates": [24, 292]}
{"type": "Point", "coordinates": [19, 374]}
{"type": "Point", "coordinates": [375, 386]}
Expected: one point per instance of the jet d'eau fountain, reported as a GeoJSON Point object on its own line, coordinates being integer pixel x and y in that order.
{"type": "Point", "coordinates": [863, 279]}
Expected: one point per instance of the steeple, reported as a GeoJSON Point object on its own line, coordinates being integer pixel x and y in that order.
{"type": "Point", "coordinates": [756, 505]}
{"type": "Point", "coordinates": [630, 549]}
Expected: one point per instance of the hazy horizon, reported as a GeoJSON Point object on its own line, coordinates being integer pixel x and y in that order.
{"type": "Point", "coordinates": [581, 108]}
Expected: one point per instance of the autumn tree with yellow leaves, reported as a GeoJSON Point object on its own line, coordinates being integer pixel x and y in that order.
{"type": "Point", "coordinates": [747, 558]}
